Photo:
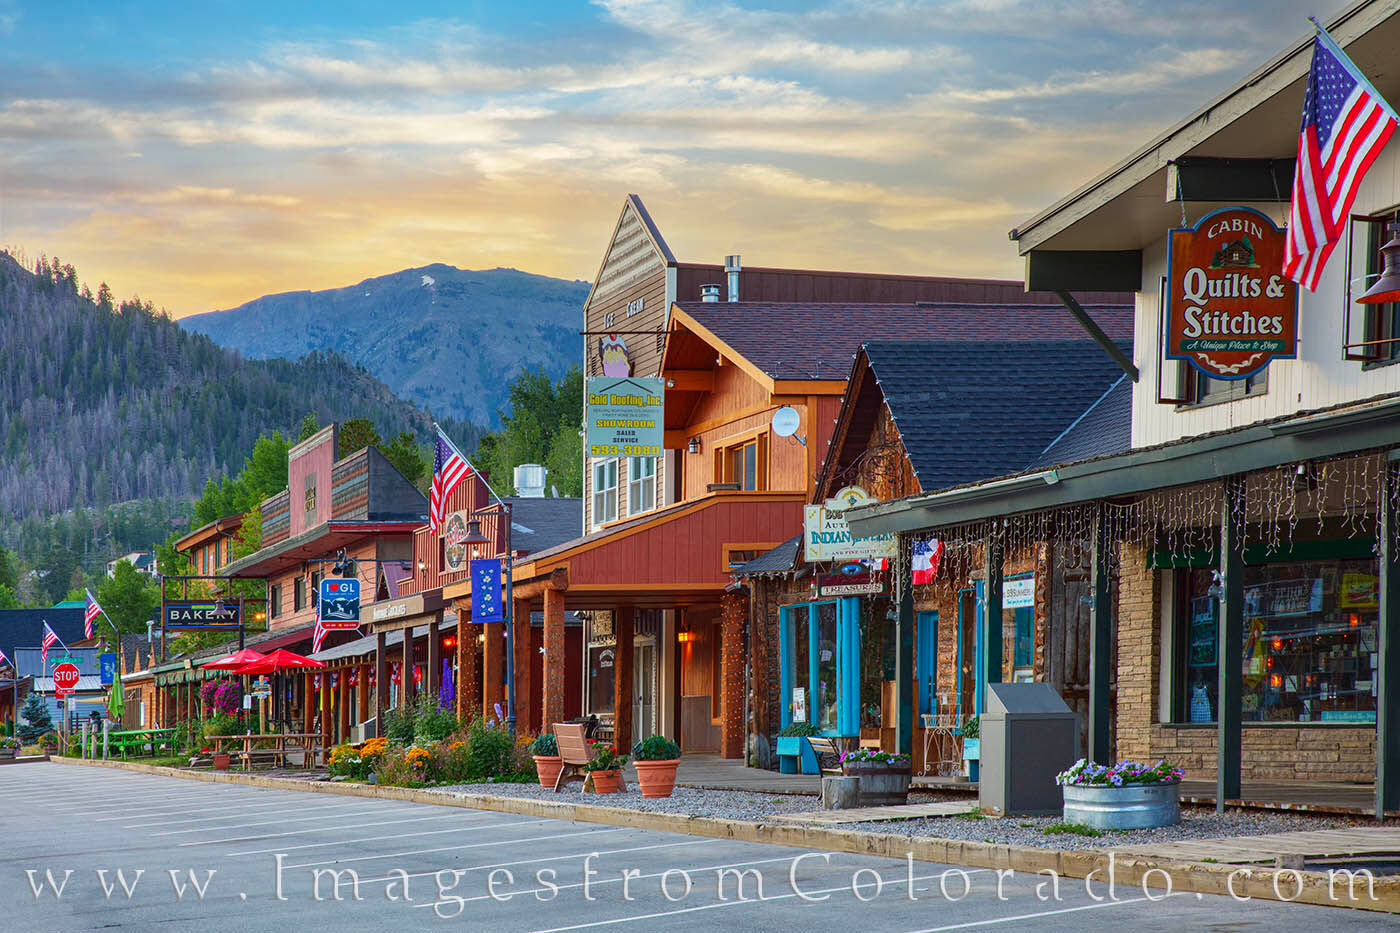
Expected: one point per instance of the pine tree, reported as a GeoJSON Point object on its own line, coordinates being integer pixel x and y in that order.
{"type": "Point", "coordinates": [38, 720]}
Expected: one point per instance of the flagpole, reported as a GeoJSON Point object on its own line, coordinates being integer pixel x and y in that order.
{"type": "Point", "coordinates": [484, 481]}
{"type": "Point", "coordinates": [1335, 48]}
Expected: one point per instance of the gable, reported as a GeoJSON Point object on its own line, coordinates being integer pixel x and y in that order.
{"type": "Point", "coordinates": [628, 301]}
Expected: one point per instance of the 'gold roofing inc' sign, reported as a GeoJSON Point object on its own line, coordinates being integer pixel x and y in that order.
{"type": "Point", "coordinates": [625, 416]}
{"type": "Point", "coordinates": [1231, 310]}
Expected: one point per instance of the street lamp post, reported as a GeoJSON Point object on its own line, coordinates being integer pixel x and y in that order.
{"type": "Point", "coordinates": [475, 538]}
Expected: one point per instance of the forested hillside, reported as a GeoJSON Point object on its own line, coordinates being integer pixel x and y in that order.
{"type": "Point", "coordinates": [104, 402]}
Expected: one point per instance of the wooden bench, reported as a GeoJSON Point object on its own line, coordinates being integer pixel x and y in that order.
{"type": "Point", "coordinates": [573, 749]}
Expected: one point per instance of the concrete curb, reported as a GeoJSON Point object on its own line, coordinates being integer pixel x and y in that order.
{"type": "Point", "coordinates": [1131, 876]}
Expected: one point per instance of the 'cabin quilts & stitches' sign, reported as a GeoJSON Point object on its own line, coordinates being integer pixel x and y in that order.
{"type": "Point", "coordinates": [1230, 308]}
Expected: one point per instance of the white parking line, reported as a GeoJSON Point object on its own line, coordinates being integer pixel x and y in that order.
{"type": "Point", "coordinates": [311, 829]}
{"type": "Point", "coordinates": [1045, 913]}
{"type": "Point", "coordinates": [289, 819]}
{"type": "Point", "coordinates": [475, 845]}
{"type": "Point", "coordinates": [426, 832]}
{"type": "Point", "coordinates": [492, 866]}
{"type": "Point", "coordinates": [235, 816]}
{"type": "Point", "coordinates": [718, 904]}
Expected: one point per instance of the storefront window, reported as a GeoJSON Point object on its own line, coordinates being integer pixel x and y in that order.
{"type": "Point", "coordinates": [801, 666]}
{"type": "Point", "coordinates": [877, 643]}
{"type": "Point", "coordinates": [824, 690]}
{"type": "Point", "coordinates": [1309, 643]}
{"type": "Point", "coordinates": [601, 678]}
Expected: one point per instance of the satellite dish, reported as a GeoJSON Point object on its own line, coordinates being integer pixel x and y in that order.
{"type": "Point", "coordinates": [786, 421]}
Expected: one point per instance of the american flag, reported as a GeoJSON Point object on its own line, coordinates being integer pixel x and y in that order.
{"type": "Point", "coordinates": [50, 639]}
{"type": "Point", "coordinates": [450, 468]}
{"type": "Point", "coordinates": [318, 635]}
{"type": "Point", "coordinates": [1346, 124]}
{"type": "Point", "coordinates": [5, 661]}
{"type": "Point", "coordinates": [91, 613]}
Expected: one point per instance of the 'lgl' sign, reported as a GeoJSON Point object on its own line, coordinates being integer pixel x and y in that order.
{"type": "Point", "coordinates": [1230, 308]}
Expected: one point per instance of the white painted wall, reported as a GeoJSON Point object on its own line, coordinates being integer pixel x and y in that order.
{"type": "Point", "coordinates": [1319, 378]}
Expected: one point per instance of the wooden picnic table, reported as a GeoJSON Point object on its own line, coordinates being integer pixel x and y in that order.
{"type": "Point", "coordinates": [129, 739]}
{"type": "Point", "coordinates": [307, 743]}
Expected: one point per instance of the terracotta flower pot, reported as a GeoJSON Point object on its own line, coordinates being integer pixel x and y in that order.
{"type": "Point", "coordinates": [657, 778]}
{"type": "Point", "coordinates": [549, 767]}
{"type": "Point", "coordinates": [607, 782]}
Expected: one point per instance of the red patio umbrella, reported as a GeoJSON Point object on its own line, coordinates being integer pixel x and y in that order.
{"type": "Point", "coordinates": [279, 660]}
{"type": "Point", "coordinates": [231, 661]}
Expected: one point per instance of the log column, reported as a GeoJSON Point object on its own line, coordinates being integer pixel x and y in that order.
{"type": "Point", "coordinates": [733, 607]}
{"type": "Point", "coordinates": [327, 722]}
{"type": "Point", "coordinates": [406, 688]}
{"type": "Point", "coordinates": [344, 700]}
{"type": "Point", "coordinates": [465, 667]}
{"type": "Point", "coordinates": [433, 681]}
{"type": "Point", "coordinates": [624, 626]}
{"type": "Point", "coordinates": [362, 701]}
{"type": "Point", "coordinates": [520, 621]}
{"type": "Point", "coordinates": [493, 661]}
{"type": "Point", "coordinates": [381, 678]}
{"type": "Point", "coordinates": [553, 659]}
{"type": "Point", "coordinates": [308, 698]}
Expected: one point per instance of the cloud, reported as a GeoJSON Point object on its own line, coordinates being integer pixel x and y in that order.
{"type": "Point", "coordinates": [902, 136]}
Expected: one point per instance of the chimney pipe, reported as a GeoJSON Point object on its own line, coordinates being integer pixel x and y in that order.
{"type": "Point", "coordinates": [709, 293]}
{"type": "Point", "coordinates": [731, 267]}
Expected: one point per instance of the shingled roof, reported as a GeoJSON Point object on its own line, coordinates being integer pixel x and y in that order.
{"type": "Point", "coordinates": [819, 340]}
{"type": "Point", "coordinates": [1104, 428]}
{"type": "Point", "coordinates": [966, 410]}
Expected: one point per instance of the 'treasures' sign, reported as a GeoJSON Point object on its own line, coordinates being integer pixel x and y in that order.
{"type": "Point", "coordinates": [1230, 308]}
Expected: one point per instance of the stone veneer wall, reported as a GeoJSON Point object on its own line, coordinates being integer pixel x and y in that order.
{"type": "Point", "coordinates": [1270, 752]}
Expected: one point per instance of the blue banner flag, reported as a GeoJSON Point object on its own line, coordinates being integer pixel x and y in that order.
{"type": "Point", "coordinates": [486, 590]}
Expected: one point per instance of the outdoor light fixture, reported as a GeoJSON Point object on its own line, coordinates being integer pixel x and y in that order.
{"type": "Point", "coordinates": [422, 567]}
{"type": "Point", "coordinates": [694, 445]}
{"type": "Point", "coordinates": [1387, 287]}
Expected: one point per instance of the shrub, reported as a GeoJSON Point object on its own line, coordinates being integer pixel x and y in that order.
{"type": "Point", "coordinates": [490, 750]}
{"type": "Point", "coordinates": [797, 729]}
{"type": "Point", "coordinates": [399, 725]}
{"type": "Point", "coordinates": [223, 724]}
{"type": "Point", "coordinates": [655, 748]}
{"type": "Point", "coordinates": [432, 723]}
{"type": "Point", "coordinates": [8, 742]}
{"type": "Point", "coordinates": [222, 695]}
{"type": "Point", "coordinates": [358, 761]}
{"type": "Point", "coordinates": [971, 729]}
{"type": "Point", "coordinates": [545, 744]}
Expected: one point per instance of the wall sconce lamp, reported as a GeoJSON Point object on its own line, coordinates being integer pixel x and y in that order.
{"type": "Point", "coordinates": [685, 636]}
{"type": "Point", "coordinates": [694, 445]}
{"type": "Point", "coordinates": [422, 567]}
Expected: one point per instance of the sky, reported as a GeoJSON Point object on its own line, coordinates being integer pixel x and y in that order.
{"type": "Point", "coordinates": [201, 155]}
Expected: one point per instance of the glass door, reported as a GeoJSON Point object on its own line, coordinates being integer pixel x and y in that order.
{"type": "Point", "coordinates": [643, 690]}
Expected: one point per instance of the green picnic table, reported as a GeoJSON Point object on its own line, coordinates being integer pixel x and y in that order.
{"type": "Point", "coordinates": [139, 739]}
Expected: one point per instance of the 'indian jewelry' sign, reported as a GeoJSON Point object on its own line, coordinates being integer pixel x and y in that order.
{"type": "Point", "coordinates": [826, 536]}
{"type": "Point", "coordinates": [1231, 310]}
{"type": "Point", "coordinates": [625, 416]}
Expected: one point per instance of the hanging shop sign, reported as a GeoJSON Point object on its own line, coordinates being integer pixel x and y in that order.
{"type": "Point", "coordinates": [190, 616]}
{"type": "Point", "coordinates": [625, 416]}
{"type": "Point", "coordinates": [339, 604]}
{"type": "Point", "coordinates": [454, 548]}
{"type": "Point", "coordinates": [826, 536]}
{"type": "Point", "coordinates": [1231, 310]}
{"type": "Point", "coordinates": [866, 583]}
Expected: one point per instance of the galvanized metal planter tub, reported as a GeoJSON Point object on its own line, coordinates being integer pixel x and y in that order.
{"type": "Point", "coordinates": [1133, 806]}
{"type": "Point", "coordinates": [881, 784]}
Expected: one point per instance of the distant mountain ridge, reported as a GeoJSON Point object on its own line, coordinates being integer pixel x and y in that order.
{"type": "Point", "coordinates": [103, 403]}
{"type": "Point", "coordinates": [449, 339]}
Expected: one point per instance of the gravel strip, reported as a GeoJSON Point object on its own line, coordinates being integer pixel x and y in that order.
{"type": "Point", "coordinates": [1196, 822]}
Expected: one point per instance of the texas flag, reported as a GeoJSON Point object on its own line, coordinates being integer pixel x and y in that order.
{"type": "Point", "coordinates": [927, 553]}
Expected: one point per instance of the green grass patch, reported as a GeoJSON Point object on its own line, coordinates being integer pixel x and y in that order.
{"type": "Point", "coordinates": [1210, 858]}
{"type": "Point", "coordinates": [974, 813]}
{"type": "Point", "coordinates": [1073, 829]}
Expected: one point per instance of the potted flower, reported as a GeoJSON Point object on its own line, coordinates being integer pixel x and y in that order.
{"type": "Point", "coordinates": [795, 753]}
{"type": "Point", "coordinates": [1128, 795]}
{"type": "Point", "coordinates": [884, 776]}
{"type": "Point", "coordinates": [972, 745]}
{"type": "Point", "coordinates": [545, 751]}
{"type": "Point", "coordinates": [605, 770]}
{"type": "Point", "coordinates": [9, 748]}
{"type": "Point", "coordinates": [656, 758]}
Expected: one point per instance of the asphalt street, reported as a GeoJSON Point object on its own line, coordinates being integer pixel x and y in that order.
{"type": "Point", "coordinates": [88, 848]}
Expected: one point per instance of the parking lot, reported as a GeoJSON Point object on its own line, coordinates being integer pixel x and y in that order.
{"type": "Point", "coordinates": [89, 848]}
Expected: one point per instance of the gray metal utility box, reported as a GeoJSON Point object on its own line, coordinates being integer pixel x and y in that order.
{"type": "Point", "coordinates": [1028, 735]}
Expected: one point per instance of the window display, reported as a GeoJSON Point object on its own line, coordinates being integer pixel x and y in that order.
{"type": "Point", "coordinates": [1309, 651]}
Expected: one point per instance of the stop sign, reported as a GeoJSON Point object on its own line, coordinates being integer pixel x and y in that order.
{"type": "Point", "coordinates": [65, 678]}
